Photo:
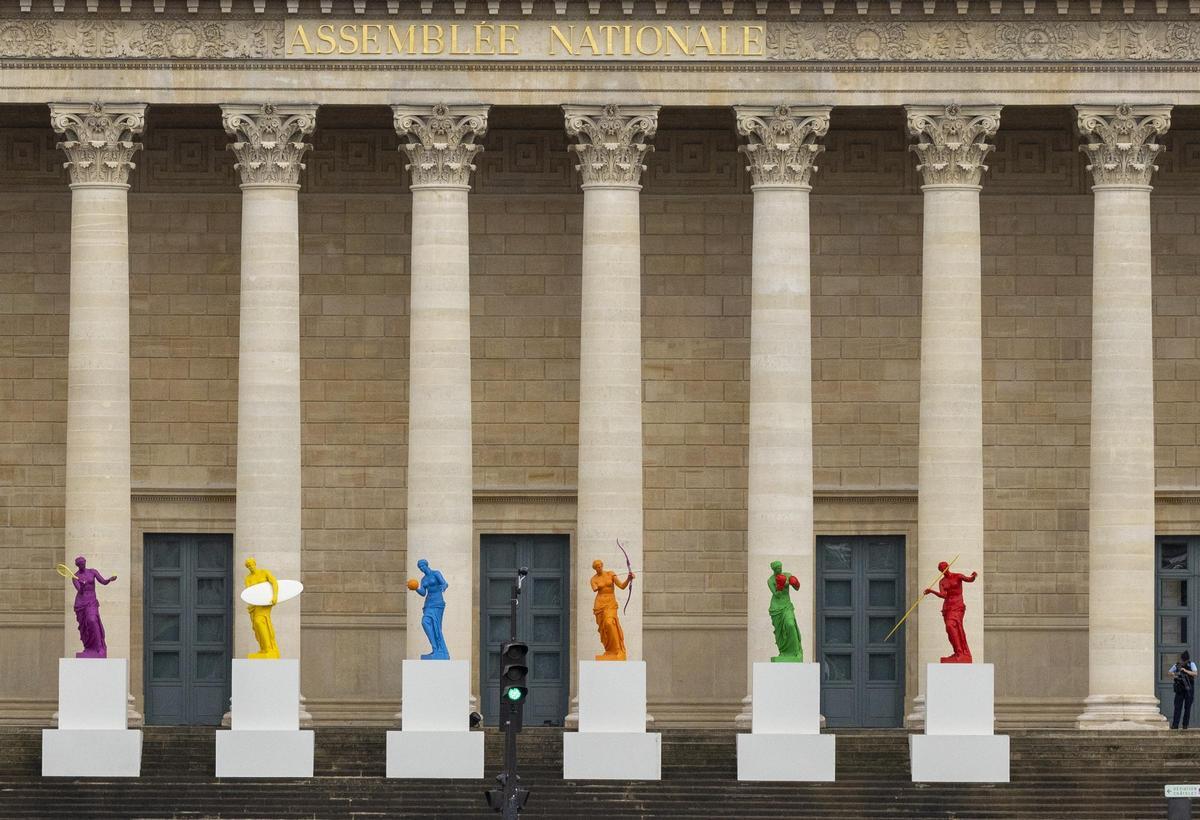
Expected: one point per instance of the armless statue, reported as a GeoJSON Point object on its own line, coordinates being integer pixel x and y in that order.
{"type": "Point", "coordinates": [87, 610]}
{"type": "Point", "coordinates": [260, 616]}
{"type": "Point", "coordinates": [783, 615]}
{"type": "Point", "coordinates": [604, 584]}
{"type": "Point", "coordinates": [431, 587]}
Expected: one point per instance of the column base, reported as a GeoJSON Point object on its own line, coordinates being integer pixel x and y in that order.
{"type": "Point", "coordinates": [744, 720]}
{"type": "Point", "coordinates": [1121, 713]}
{"type": "Point", "coordinates": [916, 718]}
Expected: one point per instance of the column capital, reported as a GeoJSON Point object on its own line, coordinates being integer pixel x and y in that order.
{"type": "Point", "coordinates": [268, 141]}
{"type": "Point", "coordinates": [951, 141]}
{"type": "Point", "coordinates": [441, 142]}
{"type": "Point", "coordinates": [1120, 143]}
{"type": "Point", "coordinates": [782, 142]}
{"type": "Point", "coordinates": [611, 142]}
{"type": "Point", "coordinates": [99, 140]}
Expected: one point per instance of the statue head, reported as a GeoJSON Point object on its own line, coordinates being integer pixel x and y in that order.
{"type": "Point", "coordinates": [80, 561]}
{"type": "Point", "coordinates": [777, 567]}
{"type": "Point", "coordinates": [597, 565]}
{"type": "Point", "coordinates": [423, 565]}
{"type": "Point", "coordinates": [251, 564]}
{"type": "Point", "coordinates": [943, 566]}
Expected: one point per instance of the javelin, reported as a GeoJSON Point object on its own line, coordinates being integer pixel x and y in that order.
{"type": "Point", "coordinates": [936, 578]}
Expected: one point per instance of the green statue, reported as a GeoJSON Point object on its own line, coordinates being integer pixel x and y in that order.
{"type": "Point", "coordinates": [783, 615]}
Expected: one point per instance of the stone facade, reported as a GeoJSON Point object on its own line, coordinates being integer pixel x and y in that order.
{"type": "Point", "coordinates": [525, 229]}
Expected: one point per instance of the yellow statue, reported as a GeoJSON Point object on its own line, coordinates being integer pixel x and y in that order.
{"type": "Point", "coordinates": [260, 616]}
{"type": "Point", "coordinates": [605, 610]}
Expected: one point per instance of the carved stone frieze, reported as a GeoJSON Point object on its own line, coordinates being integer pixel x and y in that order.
{"type": "Point", "coordinates": [98, 140]}
{"type": "Point", "coordinates": [782, 142]}
{"type": "Point", "coordinates": [951, 141]}
{"type": "Point", "coordinates": [1120, 143]}
{"type": "Point", "coordinates": [611, 141]}
{"type": "Point", "coordinates": [268, 141]}
{"type": "Point", "coordinates": [440, 142]}
{"type": "Point", "coordinates": [153, 39]}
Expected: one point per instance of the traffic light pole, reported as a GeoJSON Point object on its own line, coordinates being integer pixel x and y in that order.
{"type": "Point", "coordinates": [511, 806]}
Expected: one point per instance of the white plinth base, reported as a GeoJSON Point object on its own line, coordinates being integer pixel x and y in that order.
{"type": "Point", "coordinates": [91, 739]}
{"type": "Point", "coordinates": [449, 755]}
{"type": "Point", "coordinates": [91, 752]}
{"type": "Point", "coordinates": [612, 755]}
{"type": "Point", "coordinates": [786, 757]}
{"type": "Point", "coordinates": [958, 745]}
{"type": "Point", "coordinates": [265, 753]}
{"type": "Point", "coordinates": [959, 758]}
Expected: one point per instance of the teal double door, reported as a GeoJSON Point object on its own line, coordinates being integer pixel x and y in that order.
{"type": "Point", "coordinates": [188, 628]}
{"type": "Point", "coordinates": [543, 620]}
{"type": "Point", "coordinates": [1177, 609]}
{"type": "Point", "coordinates": [860, 595]}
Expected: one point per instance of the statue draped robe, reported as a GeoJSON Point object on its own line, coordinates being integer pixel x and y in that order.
{"type": "Point", "coordinates": [783, 618]}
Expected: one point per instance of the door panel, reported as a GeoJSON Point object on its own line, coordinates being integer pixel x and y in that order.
{"type": "Point", "coordinates": [860, 584]}
{"type": "Point", "coordinates": [542, 620]}
{"type": "Point", "coordinates": [188, 628]}
{"type": "Point", "coordinates": [1177, 609]}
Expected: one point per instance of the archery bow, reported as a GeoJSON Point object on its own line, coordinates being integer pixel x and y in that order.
{"type": "Point", "coordinates": [629, 569]}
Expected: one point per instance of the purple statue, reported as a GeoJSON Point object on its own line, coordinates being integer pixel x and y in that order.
{"type": "Point", "coordinates": [87, 610]}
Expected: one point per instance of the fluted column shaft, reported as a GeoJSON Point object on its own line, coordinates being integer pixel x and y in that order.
{"type": "Point", "coordinates": [611, 146]}
{"type": "Point", "coordinates": [269, 148]}
{"type": "Point", "coordinates": [781, 149]}
{"type": "Point", "coordinates": [98, 142]}
{"type": "Point", "coordinates": [951, 148]}
{"type": "Point", "coordinates": [1121, 572]}
{"type": "Point", "coordinates": [440, 146]}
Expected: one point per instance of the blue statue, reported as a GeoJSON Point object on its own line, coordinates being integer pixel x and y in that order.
{"type": "Point", "coordinates": [430, 587]}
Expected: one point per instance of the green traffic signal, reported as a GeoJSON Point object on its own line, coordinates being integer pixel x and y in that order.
{"type": "Point", "coordinates": [513, 693]}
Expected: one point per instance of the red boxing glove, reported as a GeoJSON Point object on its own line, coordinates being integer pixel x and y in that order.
{"type": "Point", "coordinates": [780, 582]}
{"type": "Point", "coordinates": [794, 581]}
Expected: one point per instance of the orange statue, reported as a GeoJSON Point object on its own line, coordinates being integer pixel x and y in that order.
{"type": "Point", "coordinates": [604, 584]}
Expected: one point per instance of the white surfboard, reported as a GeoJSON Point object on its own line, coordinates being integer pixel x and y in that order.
{"type": "Point", "coordinates": [260, 594]}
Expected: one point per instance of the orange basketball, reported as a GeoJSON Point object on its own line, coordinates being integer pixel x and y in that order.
{"type": "Point", "coordinates": [412, 584]}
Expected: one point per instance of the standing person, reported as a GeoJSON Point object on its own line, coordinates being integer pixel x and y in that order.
{"type": "Point", "coordinates": [1184, 672]}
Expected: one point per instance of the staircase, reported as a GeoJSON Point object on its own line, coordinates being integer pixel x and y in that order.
{"type": "Point", "coordinates": [1055, 774]}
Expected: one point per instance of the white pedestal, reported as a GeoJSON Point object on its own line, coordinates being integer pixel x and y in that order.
{"type": "Point", "coordinates": [959, 745]}
{"type": "Point", "coordinates": [612, 742]}
{"type": "Point", "coordinates": [435, 740]}
{"type": "Point", "coordinates": [91, 739]}
{"type": "Point", "coordinates": [265, 739]}
{"type": "Point", "coordinates": [785, 742]}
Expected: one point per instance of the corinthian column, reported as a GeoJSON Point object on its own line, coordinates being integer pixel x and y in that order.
{"type": "Point", "coordinates": [610, 146]}
{"type": "Point", "coordinates": [950, 151]}
{"type": "Point", "coordinates": [440, 143]}
{"type": "Point", "coordinates": [98, 142]}
{"type": "Point", "coordinates": [1121, 661]}
{"type": "Point", "coordinates": [781, 148]}
{"type": "Point", "coordinates": [268, 144]}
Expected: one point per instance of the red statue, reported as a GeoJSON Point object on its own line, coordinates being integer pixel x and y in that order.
{"type": "Point", "coordinates": [950, 591]}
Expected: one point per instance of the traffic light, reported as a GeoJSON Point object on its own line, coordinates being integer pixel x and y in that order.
{"type": "Point", "coordinates": [513, 682]}
{"type": "Point", "coordinates": [496, 798]}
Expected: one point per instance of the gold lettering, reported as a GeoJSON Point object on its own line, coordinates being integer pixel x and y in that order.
{"type": "Point", "coordinates": [725, 42]}
{"type": "Point", "coordinates": [705, 41]}
{"type": "Point", "coordinates": [556, 34]}
{"type": "Point", "coordinates": [607, 31]}
{"type": "Point", "coordinates": [302, 38]}
{"type": "Point", "coordinates": [627, 49]}
{"type": "Point", "coordinates": [398, 45]}
{"type": "Point", "coordinates": [349, 37]}
{"type": "Point", "coordinates": [509, 38]}
{"type": "Point", "coordinates": [752, 46]}
{"type": "Point", "coordinates": [658, 40]}
{"type": "Point", "coordinates": [672, 34]}
{"type": "Point", "coordinates": [431, 39]}
{"type": "Point", "coordinates": [483, 42]}
{"type": "Point", "coordinates": [454, 49]}
{"type": "Point", "coordinates": [370, 39]}
{"type": "Point", "coordinates": [588, 40]}
{"type": "Point", "coordinates": [325, 35]}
